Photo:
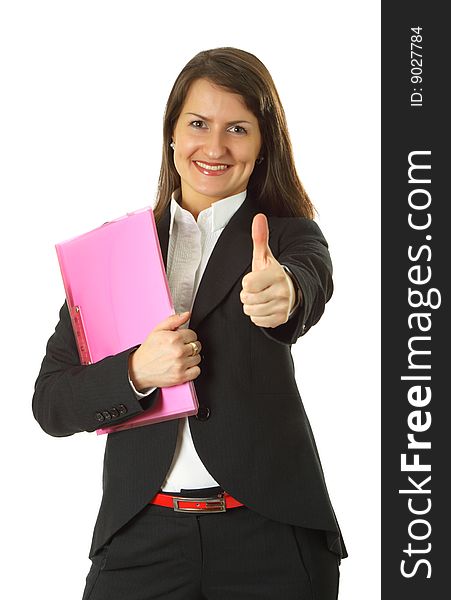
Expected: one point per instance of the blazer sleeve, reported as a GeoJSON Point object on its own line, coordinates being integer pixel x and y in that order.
{"type": "Point", "coordinates": [304, 250]}
{"type": "Point", "coordinates": [70, 397]}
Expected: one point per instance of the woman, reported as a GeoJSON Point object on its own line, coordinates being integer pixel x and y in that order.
{"type": "Point", "coordinates": [230, 503]}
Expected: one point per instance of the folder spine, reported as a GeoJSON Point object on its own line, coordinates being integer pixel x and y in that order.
{"type": "Point", "coordinates": [80, 335]}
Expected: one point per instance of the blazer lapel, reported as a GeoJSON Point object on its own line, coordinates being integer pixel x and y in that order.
{"type": "Point", "coordinates": [163, 234]}
{"type": "Point", "coordinates": [231, 256]}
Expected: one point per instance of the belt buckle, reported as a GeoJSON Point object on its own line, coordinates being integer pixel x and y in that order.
{"type": "Point", "coordinates": [212, 505]}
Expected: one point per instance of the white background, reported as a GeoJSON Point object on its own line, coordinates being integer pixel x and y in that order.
{"type": "Point", "coordinates": [84, 85]}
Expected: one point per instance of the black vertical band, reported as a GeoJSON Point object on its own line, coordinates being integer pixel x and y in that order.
{"type": "Point", "coordinates": [416, 357]}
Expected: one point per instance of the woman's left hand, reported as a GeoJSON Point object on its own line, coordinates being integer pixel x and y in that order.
{"type": "Point", "coordinates": [268, 293]}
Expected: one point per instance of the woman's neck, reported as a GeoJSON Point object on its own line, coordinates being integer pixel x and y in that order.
{"type": "Point", "coordinates": [195, 203]}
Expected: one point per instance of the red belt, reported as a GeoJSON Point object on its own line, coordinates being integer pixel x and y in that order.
{"type": "Point", "coordinates": [218, 503]}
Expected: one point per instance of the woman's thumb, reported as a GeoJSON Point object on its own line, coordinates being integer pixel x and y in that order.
{"type": "Point", "coordinates": [182, 315]}
{"type": "Point", "coordinates": [174, 321]}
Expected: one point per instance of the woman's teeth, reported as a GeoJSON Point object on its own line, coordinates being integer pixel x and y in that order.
{"type": "Point", "coordinates": [211, 167]}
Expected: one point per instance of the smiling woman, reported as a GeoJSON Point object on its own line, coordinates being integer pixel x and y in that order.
{"type": "Point", "coordinates": [229, 504]}
{"type": "Point", "coordinates": [213, 154]}
{"type": "Point", "coordinates": [239, 83]}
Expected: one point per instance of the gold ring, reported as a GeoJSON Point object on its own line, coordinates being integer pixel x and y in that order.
{"type": "Point", "coordinates": [195, 348]}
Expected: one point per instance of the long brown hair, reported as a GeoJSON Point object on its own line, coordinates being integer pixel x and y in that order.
{"type": "Point", "coordinates": [274, 182]}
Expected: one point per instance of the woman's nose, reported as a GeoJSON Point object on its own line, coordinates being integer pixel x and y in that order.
{"type": "Point", "coordinates": [215, 145]}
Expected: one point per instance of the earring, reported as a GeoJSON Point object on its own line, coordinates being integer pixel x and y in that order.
{"type": "Point", "coordinates": [172, 144]}
{"type": "Point", "coordinates": [259, 160]}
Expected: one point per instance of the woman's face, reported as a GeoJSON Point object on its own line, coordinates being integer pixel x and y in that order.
{"type": "Point", "coordinates": [217, 140]}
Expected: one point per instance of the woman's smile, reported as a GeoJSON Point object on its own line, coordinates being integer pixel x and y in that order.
{"type": "Point", "coordinates": [211, 169]}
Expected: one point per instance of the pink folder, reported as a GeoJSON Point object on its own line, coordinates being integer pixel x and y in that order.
{"type": "Point", "coordinates": [117, 292]}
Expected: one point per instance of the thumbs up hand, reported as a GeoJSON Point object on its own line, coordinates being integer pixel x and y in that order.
{"type": "Point", "coordinates": [268, 293]}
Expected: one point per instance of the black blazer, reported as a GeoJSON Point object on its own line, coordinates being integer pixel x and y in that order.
{"type": "Point", "coordinates": [253, 434]}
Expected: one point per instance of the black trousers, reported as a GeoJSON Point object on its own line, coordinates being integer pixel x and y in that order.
{"type": "Point", "coordinates": [236, 555]}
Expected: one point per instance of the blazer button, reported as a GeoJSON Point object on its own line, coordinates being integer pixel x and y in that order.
{"type": "Point", "coordinates": [122, 409]}
{"type": "Point", "coordinates": [203, 413]}
{"type": "Point", "coordinates": [100, 417]}
{"type": "Point", "coordinates": [107, 415]}
{"type": "Point", "coordinates": [114, 412]}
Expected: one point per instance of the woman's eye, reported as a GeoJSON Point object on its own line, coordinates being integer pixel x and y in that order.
{"type": "Point", "coordinates": [197, 124]}
{"type": "Point", "coordinates": [237, 129]}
